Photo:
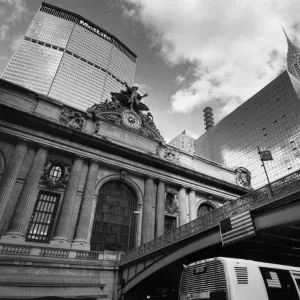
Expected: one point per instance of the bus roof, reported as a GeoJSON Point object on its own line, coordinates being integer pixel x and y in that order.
{"type": "Point", "coordinates": [234, 261]}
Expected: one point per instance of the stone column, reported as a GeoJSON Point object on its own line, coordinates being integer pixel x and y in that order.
{"type": "Point", "coordinates": [160, 209]}
{"type": "Point", "coordinates": [147, 230]}
{"type": "Point", "coordinates": [81, 235]}
{"type": "Point", "coordinates": [182, 206]}
{"type": "Point", "coordinates": [192, 201]}
{"type": "Point", "coordinates": [139, 225]}
{"type": "Point", "coordinates": [10, 175]}
{"type": "Point", "coordinates": [23, 211]}
{"type": "Point", "coordinates": [65, 216]}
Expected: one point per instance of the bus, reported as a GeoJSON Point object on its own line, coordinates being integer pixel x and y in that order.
{"type": "Point", "coordinates": [223, 278]}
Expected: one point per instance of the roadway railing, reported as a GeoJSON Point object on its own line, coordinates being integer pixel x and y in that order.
{"type": "Point", "coordinates": [249, 201]}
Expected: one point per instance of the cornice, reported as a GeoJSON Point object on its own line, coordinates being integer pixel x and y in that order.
{"type": "Point", "coordinates": [107, 147]}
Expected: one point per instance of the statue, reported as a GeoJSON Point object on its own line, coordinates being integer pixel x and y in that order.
{"type": "Point", "coordinates": [149, 115]}
{"type": "Point", "coordinates": [130, 98]}
{"type": "Point", "coordinates": [243, 177]}
{"type": "Point", "coordinates": [71, 118]}
{"type": "Point", "coordinates": [171, 203]}
{"type": "Point", "coordinates": [106, 105]}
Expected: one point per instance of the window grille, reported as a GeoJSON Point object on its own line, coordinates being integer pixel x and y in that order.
{"type": "Point", "coordinates": [42, 218]}
{"type": "Point", "coordinates": [55, 173]}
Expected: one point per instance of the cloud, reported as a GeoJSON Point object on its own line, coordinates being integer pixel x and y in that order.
{"type": "Point", "coordinates": [16, 41]}
{"type": "Point", "coordinates": [179, 79]}
{"type": "Point", "coordinates": [10, 12]}
{"type": "Point", "coordinates": [143, 87]}
{"type": "Point", "coordinates": [234, 50]}
{"type": "Point", "coordinates": [3, 30]}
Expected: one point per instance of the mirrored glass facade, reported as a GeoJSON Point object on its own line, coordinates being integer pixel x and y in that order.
{"type": "Point", "coordinates": [70, 59]}
{"type": "Point", "coordinates": [270, 120]}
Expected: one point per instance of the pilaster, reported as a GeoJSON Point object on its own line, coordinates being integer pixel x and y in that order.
{"type": "Point", "coordinates": [64, 220]}
{"type": "Point", "coordinates": [160, 209]}
{"type": "Point", "coordinates": [147, 227]}
{"type": "Point", "coordinates": [192, 202]}
{"type": "Point", "coordinates": [81, 235]}
{"type": "Point", "coordinates": [27, 199]}
{"type": "Point", "coordinates": [10, 175]}
{"type": "Point", "coordinates": [182, 206]}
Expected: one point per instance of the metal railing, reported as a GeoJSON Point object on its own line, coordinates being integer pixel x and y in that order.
{"type": "Point", "coordinates": [264, 194]}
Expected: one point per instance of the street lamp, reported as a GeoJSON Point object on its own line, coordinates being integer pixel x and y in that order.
{"type": "Point", "coordinates": [133, 212]}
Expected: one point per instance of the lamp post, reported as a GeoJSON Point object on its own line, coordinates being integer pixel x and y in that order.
{"type": "Point", "coordinates": [134, 212]}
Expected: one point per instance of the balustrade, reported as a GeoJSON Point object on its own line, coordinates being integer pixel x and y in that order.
{"type": "Point", "coordinates": [46, 252]}
{"type": "Point", "coordinates": [21, 250]}
{"type": "Point", "coordinates": [15, 250]}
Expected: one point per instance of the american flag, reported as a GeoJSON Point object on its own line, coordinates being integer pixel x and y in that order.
{"type": "Point", "coordinates": [273, 280]}
{"type": "Point", "coordinates": [266, 155]}
{"type": "Point", "coordinates": [236, 227]}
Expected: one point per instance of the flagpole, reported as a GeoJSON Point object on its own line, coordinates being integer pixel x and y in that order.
{"type": "Point", "coordinates": [265, 171]}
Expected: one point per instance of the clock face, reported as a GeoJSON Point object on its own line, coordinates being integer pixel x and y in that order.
{"type": "Point", "coordinates": [131, 120]}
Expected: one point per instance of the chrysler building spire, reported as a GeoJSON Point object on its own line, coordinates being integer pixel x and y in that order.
{"type": "Point", "coordinates": [293, 58]}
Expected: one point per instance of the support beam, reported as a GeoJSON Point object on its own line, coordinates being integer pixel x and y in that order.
{"type": "Point", "coordinates": [279, 237]}
{"type": "Point", "coordinates": [287, 215]}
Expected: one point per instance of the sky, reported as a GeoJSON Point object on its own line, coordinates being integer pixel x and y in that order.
{"type": "Point", "coordinates": [190, 53]}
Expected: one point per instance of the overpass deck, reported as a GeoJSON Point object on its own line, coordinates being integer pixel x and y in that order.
{"type": "Point", "coordinates": [274, 195]}
{"type": "Point", "coordinates": [275, 211]}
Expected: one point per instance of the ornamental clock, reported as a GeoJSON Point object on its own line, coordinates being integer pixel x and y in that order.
{"type": "Point", "coordinates": [131, 120]}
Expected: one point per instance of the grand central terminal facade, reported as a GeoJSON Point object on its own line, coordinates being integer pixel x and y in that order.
{"type": "Point", "coordinates": [78, 189]}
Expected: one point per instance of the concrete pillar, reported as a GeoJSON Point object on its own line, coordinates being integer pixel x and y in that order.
{"type": "Point", "coordinates": [23, 211]}
{"type": "Point", "coordinates": [64, 220]}
{"type": "Point", "coordinates": [147, 228]}
{"type": "Point", "coordinates": [81, 235]}
{"type": "Point", "coordinates": [182, 206]}
{"type": "Point", "coordinates": [10, 175]}
{"type": "Point", "coordinates": [193, 208]}
{"type": "Point", "coordinates": [160, 209]}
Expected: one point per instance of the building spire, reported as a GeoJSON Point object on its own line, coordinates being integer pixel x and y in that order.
{"type": "Point", "coordinates": [290, 43]}
{"type": "Point", "coordinates": [293, 57]}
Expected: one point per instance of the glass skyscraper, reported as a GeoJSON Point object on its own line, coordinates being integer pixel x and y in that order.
{"type": "Point", "coordinates": [70, 59]}
{"type": "Point", "coordinates": [270, 120]}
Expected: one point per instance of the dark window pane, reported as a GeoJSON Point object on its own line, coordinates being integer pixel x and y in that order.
{"type": "Point", "coordinates": [204, 209]}
{"type": "Point", "coordinates": [170, 223]}
{"type": "Point", "coordinates": [112, 229]}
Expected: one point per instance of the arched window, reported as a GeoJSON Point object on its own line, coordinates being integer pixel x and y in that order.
{"type": "Point", "coordinates": [55, 172]}
{"type": "Point", "coordinates": [203, 209]}
{"type": "Point", "coordinates": [114, 222]}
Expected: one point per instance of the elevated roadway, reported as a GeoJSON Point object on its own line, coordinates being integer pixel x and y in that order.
{"type": "Point", "coordinates": [275, 212]}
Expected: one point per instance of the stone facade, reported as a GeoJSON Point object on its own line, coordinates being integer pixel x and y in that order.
{"type": "Point", "coordinates": [58, 164]}
{"type": "Point", "coordinates": [184, 141]}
